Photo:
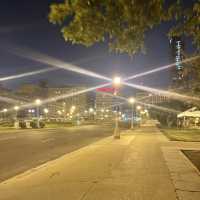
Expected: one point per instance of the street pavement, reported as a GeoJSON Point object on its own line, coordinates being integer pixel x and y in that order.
{"type": "Point", "coordinates": [132, 168]}
{"type": "Point", "coordinates": [21, 150]}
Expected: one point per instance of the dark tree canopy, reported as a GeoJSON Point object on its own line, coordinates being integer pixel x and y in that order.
{"type": "Point", "coordinates": [122, 23]}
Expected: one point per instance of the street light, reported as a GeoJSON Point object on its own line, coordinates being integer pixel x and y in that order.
{"type": "Point", "coordinates": [59, 112]}
{"type": "Point", "coordinates": [73, 107]}
{"type": "Point", "coordinates": [132, 101]}
{"type": "Point", "coordinates": [91, 110]}
{"type": "Point", "coordinates": [139, 111]}
{"type": "Point", "coordinates": [116, 129]}
{"type": "Point", "coordinates": [16, 108]}
{"type": "Point", "coordinates": [46, 111]}
{"type": "Point", "coordinates": [91, 113]}
{"type": "Point", "coordinates": [5, 110]}
{"type": "Point", "coordinates": [117, 81]}
{"type": "Point", "coordinates": [38, 103]}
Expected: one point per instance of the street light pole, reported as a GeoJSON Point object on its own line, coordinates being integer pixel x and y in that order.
{"type": "Point", "coordinates": [117, 84]}
{"type": "Point", "coordinates": [138, 112]}
{"type": "Point", "coordinates": [46, 111]}
{"type": "Point", "coordinates": [38, 102]}
{"type": "Point", "coordinates": [116, 130]}
{"type": "Point", "coordinates": [132, 101]}
{"type": "Point", "coordinates": [132, 117]}
{"type": "Point", "coordinates": [5, 110]}
{"type": "Point", "coordinates": [38, 116]}
{"type": "Point", "coordinates": [16, 108]}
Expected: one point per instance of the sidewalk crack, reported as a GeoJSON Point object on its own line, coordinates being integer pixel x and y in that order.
{"type": "Point", "coordinates": [187, 190]}
{"type": "Point", "coordinates": [88, 191]}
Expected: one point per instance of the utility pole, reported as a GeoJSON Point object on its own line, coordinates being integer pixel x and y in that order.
{"type": "Point", "coordinates": [132, 101]}
{"type": "Point", "coordinates": [116, 130]}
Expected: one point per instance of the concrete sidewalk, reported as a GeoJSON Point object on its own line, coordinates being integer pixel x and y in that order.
{"type": "Point", "coordinates": [132, 168]}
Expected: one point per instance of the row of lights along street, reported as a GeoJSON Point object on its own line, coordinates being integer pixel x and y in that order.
{"type": "Point", "coordinates": [117, 82]}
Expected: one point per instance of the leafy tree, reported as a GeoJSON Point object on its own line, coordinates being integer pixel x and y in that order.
{"type": "Point", "coordinates": [122, 23]}
{"type": "Point", "coordinates": [169, 119]}
{"type": "Point", "coordinates": [187, 20]}
{"type": "Point", "coordinates": [192, 77]}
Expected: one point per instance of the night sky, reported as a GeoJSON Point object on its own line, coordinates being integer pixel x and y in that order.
{"type": "Point", "coordinates": [24, 24]}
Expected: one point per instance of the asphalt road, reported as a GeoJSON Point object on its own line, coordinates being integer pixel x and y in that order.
{"type": "Point", "coordinates": [25, 149]}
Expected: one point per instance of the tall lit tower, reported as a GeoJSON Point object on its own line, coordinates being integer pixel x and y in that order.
{"type": "Point", "coordinates": [177, 49]}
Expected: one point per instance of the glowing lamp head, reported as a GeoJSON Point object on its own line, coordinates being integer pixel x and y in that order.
{"type": "Point", "coordinates": [91, 110]}
{"type": "Point", "coordinates": [46, 111]}
{"type": "Point", "coordinates": [5, 110]}
{"type": "Point", "coordinates": [16, 108]}
{"type": "Point", "coordinates": [59, 112]}
{"type": "Point", "coordinates": [139, 107]}
{"type": "Point", "coordinates": [38, 102]}
{"type": "Point", "coordinates": [117, 81]}
{"type": "Point", "coordinates": [73, 107]}
{"type": "Point", "coordinates": [131, 100]}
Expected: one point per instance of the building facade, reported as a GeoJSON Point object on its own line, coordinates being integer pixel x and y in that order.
{"type": "Point", "coordinates": [69, 102]}
{"type": "Point", "coordinates": [104, 105]}
{"type": "Point", "coordinates": [151, 98]}
{"type": "Point", "coordinates": [177, 52]}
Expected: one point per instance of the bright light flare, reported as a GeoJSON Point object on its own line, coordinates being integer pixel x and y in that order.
{"type": "Point", "coordinates": [9, 100]}
{"type": "Point", "coordinates": [169, 110]}
{"type": "Point", "coordinates": [131, 100]}
{"type": "Point", "coordinates": [5, 110]}
{"type": "Point", "coordinates": [91, 110]}
{"type": "Point", "coordinates": [73, 107]}
{"type": "Point", "coordinates": [59, 112]}
{"type": "Point", "coordinates": [16, 108]}
{"type": "Point", "coordinates": [63, 96]}
{"type": "Point", "coordinates": [147, 105]}
{"type": "Point", "coordinates": [46, 111]}
{"type": "Point", "coordinates": [117, 81]}
{"type": "Point", "coordinates": [45, 59]}
{"type": "Point", "coordinates": [160, 68]}
{"type": "Point", "coordinates": [27, 74]}
{"type": "Point", "coordinates": [38, 102]}
{"type": "Point", "coordinates": [171, 95]}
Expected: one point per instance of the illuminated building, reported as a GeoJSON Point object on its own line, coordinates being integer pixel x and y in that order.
{"type": "Point", "coordinates": [177, 49]}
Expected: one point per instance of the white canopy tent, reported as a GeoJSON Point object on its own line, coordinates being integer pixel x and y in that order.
{"type": "Point", "coordinates": [189, 118]}
{"type": "Point", "coordinates": [192, 112]}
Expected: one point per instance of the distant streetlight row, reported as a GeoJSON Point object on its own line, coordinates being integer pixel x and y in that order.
{"type": "Point", "coordinates": [116, 82]}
